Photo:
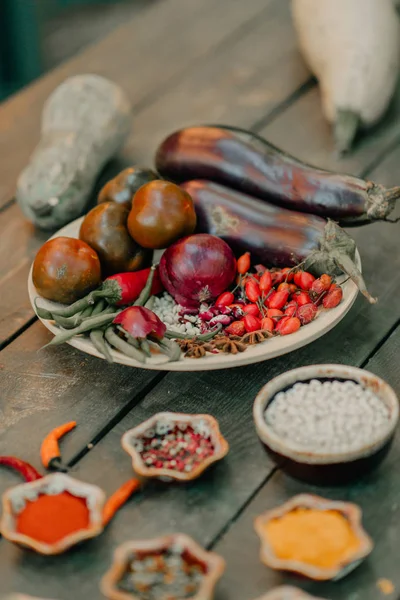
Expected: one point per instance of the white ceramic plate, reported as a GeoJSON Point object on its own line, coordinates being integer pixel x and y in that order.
{"type": "Point", "coordinates": [271, 348]}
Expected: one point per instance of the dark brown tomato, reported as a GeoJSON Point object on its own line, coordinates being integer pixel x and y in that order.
{"type": "Point", "coordinates": [123, 187]}
{"type": "Point", "coordinates": [65, 270]}
{"type": "Point", "coordinates": [105, 229]}
{"type": "Point", "coordinates": [161, 214]}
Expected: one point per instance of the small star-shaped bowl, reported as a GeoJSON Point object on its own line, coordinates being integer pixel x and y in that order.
{"type": "Point", "coordinates": [15, 498]}
{"type": "Point", "coordinates": [287, 592]}
{"type": "Point", "coordinates": [349, 510]}
{"type": "Point", "coordinates": [161, 424]}
{"type": "Point", "coordinates": [212, 564]}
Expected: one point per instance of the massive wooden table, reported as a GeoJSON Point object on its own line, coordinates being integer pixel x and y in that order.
{"type": "Point", "coordinates": [186, 63]}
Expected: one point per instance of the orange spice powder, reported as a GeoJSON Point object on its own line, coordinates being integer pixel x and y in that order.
{"type": "Point", "coordinates": [323, 538]}
{"type": "Point", "coordinates": [49, 518]}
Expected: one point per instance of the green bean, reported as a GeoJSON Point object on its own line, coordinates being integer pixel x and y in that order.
{"type": "Point", "coordinates": [129, 338]}
{"type": "Point", "coordinates": [146, 291]}
{"type": "Point", "coordinates": [87, 325]}
{"type": "Point", "coordinates": [88, 311]}
{"type": "Point", "coordinates": [99, 307]}
{"type": "Point", "coordinates": [171, 348]}
{"type": "Point", "coordinates": [43, 313]}
{"type": "Point", "coordinates": [97, 337]}
{"type": "Point", "coordinates": [79, 305]}
{"type": "Point", "coordinates": [202, 338]}
{"type": "Point", "coordinates": [68, 322]}
{"type": "Point", "coordinates": [114, 340]}
{"type": "Point", "coordinates": [145, 348]}
{"type": "Point", "coordinates": [150, 303]}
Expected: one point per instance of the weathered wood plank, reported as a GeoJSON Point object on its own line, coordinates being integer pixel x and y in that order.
{"type": "Point", "coordinates": [261, 51]}
{"type": "Point", "coordinates": [146, 56]}
{"type": "Point", "coordinates": [378, 496]}
{"type": "Point", "coordinates": [41, 389]}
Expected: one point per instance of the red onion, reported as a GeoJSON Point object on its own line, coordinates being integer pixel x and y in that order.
{"type": "Point", "coordinates": [197, 268]}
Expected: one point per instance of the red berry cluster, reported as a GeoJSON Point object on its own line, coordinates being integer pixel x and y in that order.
{"type": "Point", "coordinates": [278, 300]}
{"type": "Point", "coordinates": [181, 448]}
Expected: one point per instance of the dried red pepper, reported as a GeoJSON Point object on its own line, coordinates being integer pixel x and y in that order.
{"type": "Point", "coordinates": [25, 469]}
{"type": "Point", "coordinates": [50, 449]}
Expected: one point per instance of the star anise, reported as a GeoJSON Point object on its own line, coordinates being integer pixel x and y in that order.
{"type": "Point", "coordinates": [229, 344]}
{"type": "Point", "coordinates": [194, 348]}
{"type": "Point", "coordinates": [195, 351]}
{"type": "Point", "coordinates": [256, 337]}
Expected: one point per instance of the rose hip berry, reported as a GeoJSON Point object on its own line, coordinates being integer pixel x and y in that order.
{"type": "Point", "coordinates": [252, 290]}
{"type": "Point", "coordinates": [274, 313]}
{"type": "Point", "coordinates": [265, 282]}
{"type": "Point", "coordinates": [304, 280]}
{"type": "Point", "coordinates": [290, 325]}
{"type": "Point", "coordinates": [278, 299]}
{"type": "Point", "coordinates": [333, 297]}
{"type": "Point", "coordinates": [267, 324]}
{"type": "Point", "coordinates": [321, 285]}
{"type": "Point", "coordinates": [307, 313]}
{"type": "Point", "coordinates": [291, 308]}
{"type": "Point", "coordinates": [288, 273]}
{"type": "Point", "coordinates": [225, 299]}
{"type": "Point", "coordinates": [251, 323]}
{"type": "Point", "coordinates": [251, 309]}
{"type": "Point", "coordinates": [302, 298]}
{"type": "Point", "coordinates": [236, 328]}
{"type": "Point", "coordinates": [243, 263]}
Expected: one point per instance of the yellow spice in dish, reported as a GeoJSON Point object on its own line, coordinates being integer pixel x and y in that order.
{"type": "Point", "coordinates": [323, 538]}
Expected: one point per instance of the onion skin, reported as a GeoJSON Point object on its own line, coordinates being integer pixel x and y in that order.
{"type": "Point", "coordinates": [197, 268]}
{"type": "Point", "coordinates": [273, 235]}
{"type": "Point", "coordinates": [248, 163]}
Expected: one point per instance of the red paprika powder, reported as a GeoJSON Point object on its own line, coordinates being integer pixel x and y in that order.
{"type": "Point", "coordinates": [50, 518]}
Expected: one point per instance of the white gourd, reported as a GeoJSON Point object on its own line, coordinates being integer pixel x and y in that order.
{"type": "Point", "coordinates": [353, 49]}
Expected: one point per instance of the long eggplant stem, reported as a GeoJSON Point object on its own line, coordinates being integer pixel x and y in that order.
{"type": "Point", "coordinates": [345, 263]}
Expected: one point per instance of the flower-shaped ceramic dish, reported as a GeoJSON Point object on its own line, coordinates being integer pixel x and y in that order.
{"type": "Point", "coordinates": [349, 510]}
{"type": "Point", "coordinates": [327, 468]}
{"type": "Point", "coordinates": [162, 423]}
{"type": "Point", "coordinates": [212, 564]}
{"type": "Point", "coordinates": [14, 502]}
{"type": "Point", "coordinates": [287, 592]}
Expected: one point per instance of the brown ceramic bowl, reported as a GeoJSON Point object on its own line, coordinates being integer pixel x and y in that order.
{"type": "Point", "coordinates": [14, 501]}
{"type": "Point", "coordinates": [204, 423]}
{"type": "Point", "coordinates": [349, 510]}
{"type": "Point", "coordinates": [327, 468]}
{"type": "Point", "coordinates": [213, 564]}
{"type": "Point", "coordinates": [287, 592]}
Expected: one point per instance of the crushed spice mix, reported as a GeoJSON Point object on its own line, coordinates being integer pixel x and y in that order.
{"type": "Point", "coordinates": [322, 538]}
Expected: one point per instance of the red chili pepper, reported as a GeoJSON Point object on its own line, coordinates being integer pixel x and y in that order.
{"type": "Point", "coordinates": [267, 324]}
{"type": "Point", "coordinates": [118, 499]}
{"type": "Point", "coordinates": [225, 299]}
{"type": "Point", "coordinates": [304, 280]}
{"type": "Point", "coordinates": [291, 308]}
{"type": "Point", "coordinates": [251, 323]}
{"type": "Point", "coordinates": [289, 325]}
{"type": "Point", "coordinates": [50, 449]}
{"type": "Point", "coordinates": [278, 299]}
{"type": "Point", "coordinates": [301, 298]}
{"type": "Point", "coordinates": [125, 288]}
{"type": "Point", "coordinates": [243, 263]}
{"type": "Point", "coordinates": [333, 297]}
{"type": "Point", "coordinates": [25, 469]}
{"type": "Point", "coordinates": [251, 309]}
{"type": "Point", "coordinates": [266, 282]}
{"type": "Point", "coordinates": [236, 328]}
{"type": "Point", "coordinates": [321, 285]}
{"type": "Point", "coordinates": [252, 290]}
{"type": "Point", "coordinates": [307, 313]}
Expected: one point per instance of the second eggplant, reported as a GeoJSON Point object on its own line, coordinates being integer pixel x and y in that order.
{"type": "Point", "coordinates": [244, 161]}
{"type": "Point", "coordinates": [273, 235]}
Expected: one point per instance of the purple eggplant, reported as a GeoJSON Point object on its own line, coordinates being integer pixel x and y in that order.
{"type": "Point", "coordinates": [248, 163]}
{"type": "Point", "coordinates": [274, 235]}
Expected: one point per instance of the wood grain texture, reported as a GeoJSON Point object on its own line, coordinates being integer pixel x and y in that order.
{"type": "Point", "coordinates": [146, 56]}
{"type": "Point", "coordinates": [41, 389]}
{"type": "Point", "coordinates": [251, 72]}
{"type": "Point", "coordinates": [377, 495]}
